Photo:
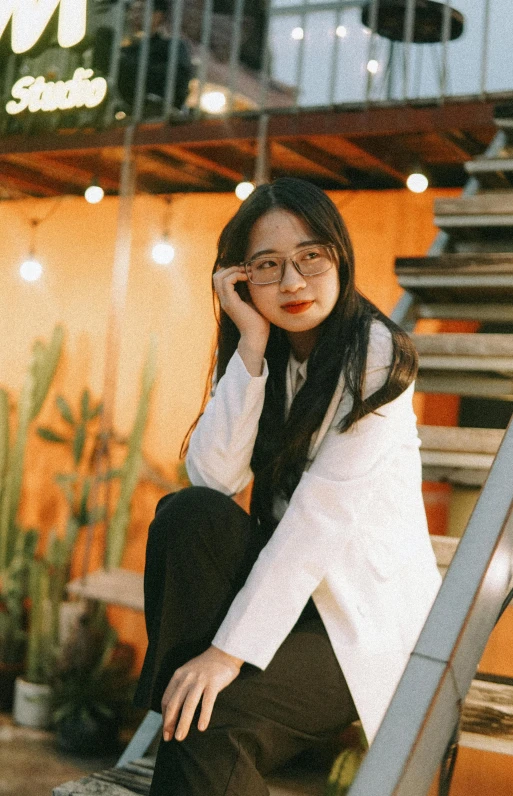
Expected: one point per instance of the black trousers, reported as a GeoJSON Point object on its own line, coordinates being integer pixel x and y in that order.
{"type": "Point", "coordinates": [201, 547]}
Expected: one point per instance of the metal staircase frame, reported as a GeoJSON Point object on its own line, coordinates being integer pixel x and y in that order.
{"type": "Point", "coordinates": [420, 721]}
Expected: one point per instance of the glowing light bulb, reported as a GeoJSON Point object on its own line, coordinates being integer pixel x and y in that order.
{"type": "Point", "coordinates": [94, 194]}
{"type": "Point", "coordinates": [372, 66]}
{"type": "Point", "coordinates": [31, 270]}
{"type": "Point", "coordinates": [417, 182]}
{"type": "Point", "coordinates": [163, 252]}
{"type": "Point", "coordinates": [341, 31]}
{"type": "Point", "coordinates": [297, 34]}
{"type": "Point", "coordinates": [244, 189]}
{"type": "Point", "coordinates": [213, 101]}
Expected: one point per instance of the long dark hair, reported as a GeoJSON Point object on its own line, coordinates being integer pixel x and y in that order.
{"type": "Point", "coordinates": [281, 448]}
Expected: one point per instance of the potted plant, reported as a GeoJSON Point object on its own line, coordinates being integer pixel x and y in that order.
{"type": "Point", "coordinates": [92, 686]}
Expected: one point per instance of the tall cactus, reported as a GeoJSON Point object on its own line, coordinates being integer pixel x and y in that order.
{"type": "Point", "coordinates": [118, 525]}
{"type": "Point", "coordinates": [35, 389]}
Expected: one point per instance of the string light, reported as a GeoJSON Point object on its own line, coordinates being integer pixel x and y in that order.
{"type": "Point", "coordinates": [372, 66]}
{"type": "Point", "coordinates": [417, 182]}
{"type": "Point", "coordinates": [297, 34]}
{"type": "Point", "coordinates": [341, 31]}
{"type": "Point", "coordinates": [244, 189]}
{"type": "Point", "coordinates": [163, 251]}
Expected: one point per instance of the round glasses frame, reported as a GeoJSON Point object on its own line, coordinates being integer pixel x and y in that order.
{"type": "Point", "coordinates": [329, 246]}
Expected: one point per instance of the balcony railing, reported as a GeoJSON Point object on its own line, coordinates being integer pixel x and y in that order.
{"type": "Point", "coordinates": [168, 60]}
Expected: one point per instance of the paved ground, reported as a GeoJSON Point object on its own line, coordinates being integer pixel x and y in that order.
{"type": "Point", "coordinates": [31, 764]}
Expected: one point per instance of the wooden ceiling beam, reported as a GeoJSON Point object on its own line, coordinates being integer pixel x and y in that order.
{"type": "Point", "coordinates": [208, 164]}
{"type": "Point", "coordinates": [366, 161]}
{"type": "Point", "coordinates": [330, 165]}
{"type": "Point", "coordinates": [28, 183]}
{"type": "Point", "coordinates": [79, 176]}
{"type": "Point", "coordinates": [356, 123]}
{"type": "Point", "coordinates": [180, 165]}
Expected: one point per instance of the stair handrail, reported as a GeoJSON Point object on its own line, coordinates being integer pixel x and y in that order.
{"type": "Point", "coordinates": [426, 706]}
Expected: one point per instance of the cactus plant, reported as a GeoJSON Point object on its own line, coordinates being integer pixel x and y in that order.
{"type": "Point", "coordinates": [17, 546]}
{"type": "Point", "coordinates": [118, 525]}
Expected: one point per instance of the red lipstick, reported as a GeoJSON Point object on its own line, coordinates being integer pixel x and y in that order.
{"type": "Point", "coordinates": [294, 307]}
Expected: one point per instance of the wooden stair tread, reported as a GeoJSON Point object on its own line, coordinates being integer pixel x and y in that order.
{"type": "Point", "coordinates": [461, 345]}
{"type": "Point", "coordinates": [460, 440]}
{"type": "Point", "coordinates": [499, 313]}
{"type": "Point", "coordinates": [486, 165]}
{"type": "Point", "coordinates": [474, 263]}
{"type": "Point", "coordinates": [498, 204]}
{"type": "Point", "coordinates": [470, 384]}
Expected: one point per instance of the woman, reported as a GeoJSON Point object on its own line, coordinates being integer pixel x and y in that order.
{"type": "Point", "coordinates": [269, 632]}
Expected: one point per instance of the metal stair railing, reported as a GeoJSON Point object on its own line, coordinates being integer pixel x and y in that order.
{"type": "Point", "coordinates": [425, 709]}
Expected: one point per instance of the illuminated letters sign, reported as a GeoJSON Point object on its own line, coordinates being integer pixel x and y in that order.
{"type": "Point", "coordinates": [35, 94]}
{"type": "Point", "coordinates": [31, 17]}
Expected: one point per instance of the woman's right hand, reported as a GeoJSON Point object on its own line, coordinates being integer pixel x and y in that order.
{"type": "Point", "coordinates": [253, 327]}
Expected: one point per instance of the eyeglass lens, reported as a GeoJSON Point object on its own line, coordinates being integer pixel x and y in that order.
{"type": "Point", "coordinates": [309, 261]}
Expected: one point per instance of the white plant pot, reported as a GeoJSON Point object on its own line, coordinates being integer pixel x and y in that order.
{"type": "Point", "coordinates": [32, 704]}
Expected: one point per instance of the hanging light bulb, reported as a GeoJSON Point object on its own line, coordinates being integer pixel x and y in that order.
{"type": "Point", "coordinates": [373, 66]}
{"type": "Point", "coordinates": [163, 252]}
{"type": "Point", "coordinates": [297, 34]}
{"type": "Point", "coordinates": [213, 101]}
{"type": "Point", "coordinates": [417, 182]}
{"type": "Point", "coordinates": [94, 193]}
{"type": "Point", "coordinates": [31, 270]}
{"type": "Point", "coordinates": [244, 189]}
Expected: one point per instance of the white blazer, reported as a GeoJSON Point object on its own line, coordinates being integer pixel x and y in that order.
{"type": "Point", "coordinates": [354, 535]}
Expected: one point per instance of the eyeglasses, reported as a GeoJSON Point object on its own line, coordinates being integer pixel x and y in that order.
{"type": "Point", "coordinates": [310, 261]}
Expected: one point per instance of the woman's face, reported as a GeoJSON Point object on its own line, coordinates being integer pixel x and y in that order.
{"type": "Point", "coordinates": [298, 304]}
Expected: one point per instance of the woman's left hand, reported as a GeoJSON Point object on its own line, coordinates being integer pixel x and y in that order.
{"type": "Point", "coordinates": [202, 678]}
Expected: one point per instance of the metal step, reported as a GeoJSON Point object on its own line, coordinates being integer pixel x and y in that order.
{"type": "Point", "coordinates": [460, 456]}
{"type": "Point", "coordinates": [458, 278]}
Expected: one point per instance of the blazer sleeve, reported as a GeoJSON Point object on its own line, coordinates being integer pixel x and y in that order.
{"type": "Point", "coordinates": [222, 443]}
{"type": "Point", "coordinates": [324, 514]}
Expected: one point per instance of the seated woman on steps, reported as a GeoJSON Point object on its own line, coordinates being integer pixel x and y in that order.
{"type": "Point", "coordinates": [271, 631]}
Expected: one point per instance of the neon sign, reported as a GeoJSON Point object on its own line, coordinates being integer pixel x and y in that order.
{"type": "Point", "coordinates": [35, 94]}
{"type": "Point", "coordinates": [30, 18]}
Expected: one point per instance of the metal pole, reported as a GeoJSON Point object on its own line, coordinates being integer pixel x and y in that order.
{"type": "Point", "coordinates": [484, 52]}
{"type": "Point", "coordinates": [206, 31]}
{"type": "Point", "coordinates": [172, 58]}
{"type": "Point", "coordinates": [408, 31]}
{"type": "Point", "coordinates": [334, 59]}
{"type": "Point", "coordinates": [119, 282]}
{"type": "Point", "coordinates": [301, 54]}
{"type": "Point", "coordinates": [238, 18]}
{"type": "Point", "coordinates": [373, 20]}
{"type": "Point", "coordinates": [446, 33]}
{"type": "Point", "coordinates": [263, 151]}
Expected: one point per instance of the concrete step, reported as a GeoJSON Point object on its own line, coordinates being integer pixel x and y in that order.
{"type": "Point", "coordinates": [496, 313]}
{"type": "Point", "coordinates": [467, 384]}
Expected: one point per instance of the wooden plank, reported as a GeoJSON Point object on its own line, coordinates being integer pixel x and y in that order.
{"type": "Point", "coordinates": [486, 165]}
{"type": "Point", "coordinates": [115, 587]}
{"type": "Point", "coordinates": [459, 476]}
{"type": "Point", "coordinates": [503, 365]}
{"type": "Point", "coordinates": [473, 345]}
{"type": "Point", "coordinates": [466, 384]}
{"type": "Point", "coordinates": [500, 313]}
{"type": "Point", "coordinates": [498, 204]}
{"type": "Point", "coordinates": [453, 459]}
{"type": "Point", "coordinates": [456, 439]}
{"type": "Point", "coordinates": [474, 262]}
